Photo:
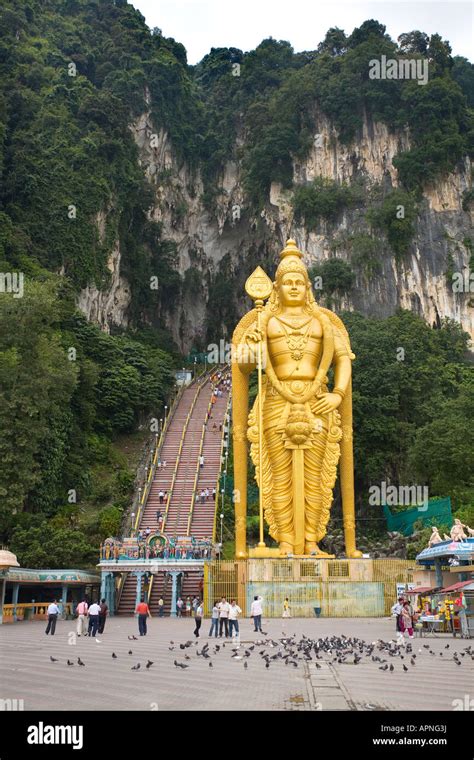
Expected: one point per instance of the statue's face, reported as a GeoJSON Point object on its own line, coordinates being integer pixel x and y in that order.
{"type": "Point", "coordinates": [292, 289]}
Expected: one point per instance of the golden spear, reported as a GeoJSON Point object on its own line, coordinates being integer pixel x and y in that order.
{"type": "Point", "coordinates": [259, 287]}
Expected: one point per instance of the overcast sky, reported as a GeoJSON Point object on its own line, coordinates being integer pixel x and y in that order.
{"type": "Point", "coordinates": [202, 24]}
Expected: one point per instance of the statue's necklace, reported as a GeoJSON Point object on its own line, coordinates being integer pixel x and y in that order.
{"type": "Point", "coordinates": [296, 340]}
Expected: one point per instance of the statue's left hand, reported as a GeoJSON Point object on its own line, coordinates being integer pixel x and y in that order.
{"type": "Point", "coordinates": [327, 403]}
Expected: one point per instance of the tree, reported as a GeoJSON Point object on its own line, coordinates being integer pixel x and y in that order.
{"type": "Point", "coordinates": [412, 43]}
{"type": "Point", "coordinates": [334, 43]}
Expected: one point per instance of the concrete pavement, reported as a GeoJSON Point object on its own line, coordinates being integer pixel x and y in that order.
{"type": "Point", "coordinates": [27, 673]}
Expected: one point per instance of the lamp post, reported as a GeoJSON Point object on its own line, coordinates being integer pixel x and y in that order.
{"type": "Point", "coordinates": [133, 518]}
{"type": "Point", "coordinates": [222, 518]}
{"type": "Point", "coordinates": [166, 412]}
{"type": "Point", "coordinates": [195, 367]}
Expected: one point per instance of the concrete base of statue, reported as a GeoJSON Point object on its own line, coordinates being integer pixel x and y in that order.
{"type": "Point", "coordinates": [267, 552]}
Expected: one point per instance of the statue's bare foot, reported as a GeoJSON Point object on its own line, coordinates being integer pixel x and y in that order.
{"type": "Point", "coordinates": [285, 549]}
{"type": "Point", "coordinates": [354, 554]}
{"type": "Point", "coordinates": [314, 550]}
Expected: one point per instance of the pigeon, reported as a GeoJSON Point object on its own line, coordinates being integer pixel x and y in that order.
{"type": "Point", "coordinates": [391, 668]}
{"type": "Point", "coordinates": [412, 661]}
{"type": "Point", "coordinates": [180, 664]}
{"type": "Point", "coordinates": [267, 664]}
{"type": "Point", "coordinates": [79, 661]}
{"type": "Point", "coordinates": [149, 664]}
{"type": "Point", "coordinates": [245, 665]}
{"type": "Point", "coordinates": [405, 668]}
{"type": "Point", "coordinates": [171, 648]}
{"type": "Point", "coordinates": [447, 646]}
{"type": "Point", "coordinates": [53, 659]}
{"type": "Point", "coordinates": [130, 651]}
{"type": "Point", "coordinates": [70, 663]}
{"type": "Point", "coordinates": [182, 646]}
{"type": "Point", "coordinates": [384, 667]}
{"type": "Point", "coordinates": [114, 656]}
{"type": "Point", "coordinates": [136, 667]}
{"type": "Point", "coordinates": [171, 642]}
{"type": "Point", "coordinates": [211, 665]}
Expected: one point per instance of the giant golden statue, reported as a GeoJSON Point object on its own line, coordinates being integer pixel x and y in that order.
{"type": "Point", "coordinates": [299, 430]}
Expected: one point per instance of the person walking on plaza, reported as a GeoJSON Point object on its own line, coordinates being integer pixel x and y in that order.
{"type": "Point", "coordinates": [195, 603]}
{"type": "Point", "coordinates": [81, 612]}
{"type": "Point", "coordinates": [104, 611]}
{"type": "Point", "coordinates": [53, 612]}
{"type": "Point", "coordinates": [224, 608]}
{"type": "Point", "coordinates": [286, 608]}
{"type": "Point", "coordinates": [198, 613]}
{"type": "Point", "coordinates": [161, 607]}
{"type": "Point", "coordinates": [214, 620]}
{"type": "Point", "coordinates": [234, 612]}
{"type": "Point", "coordinates": [94, 611]}
{"type": "Point", "coordinates": [256, 613]}
{"type": "Point", "coordinates": [179, 607]}
{"type": "Point", "coordinates": [406, 620]}
{"type": "Point", "coordinates": [143, 613]}
{"type": "Point", "coordinates": [397, 612]}
{"type": "Point", "coordinates": [188, 606]}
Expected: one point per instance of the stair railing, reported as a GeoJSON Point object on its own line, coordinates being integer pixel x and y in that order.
{"type": "Point", "coordinates": [221, 457]}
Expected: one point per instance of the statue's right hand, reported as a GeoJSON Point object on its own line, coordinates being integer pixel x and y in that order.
{"type": "Point", "coordinates": [254, 336]}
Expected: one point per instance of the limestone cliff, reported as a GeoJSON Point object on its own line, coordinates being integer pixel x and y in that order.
{"type": "Point", "coordinates": [232, 233]}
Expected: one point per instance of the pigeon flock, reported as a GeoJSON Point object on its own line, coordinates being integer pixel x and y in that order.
{"type": "Point", "coordinates": [291, 651]}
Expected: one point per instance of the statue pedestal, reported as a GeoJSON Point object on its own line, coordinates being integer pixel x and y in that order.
{"type": "Point", "coordinates": [274, 553]}
{"type": "Point", "coordinates": [263, 553]}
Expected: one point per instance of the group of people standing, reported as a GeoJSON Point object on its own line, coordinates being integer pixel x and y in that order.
{"type": "Point", "coordinates": [225, 618]}
{"type": "Point", "coordinates": [90, 618]}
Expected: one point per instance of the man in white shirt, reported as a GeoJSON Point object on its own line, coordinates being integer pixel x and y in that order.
{"type": "Point", "coordinates": [53, 612]}
{"type": "Point", "coordinates": [224, 608]}
{"type": "Point", "coordinates": [234, 612]}
{"type": "Point", "coordinates": [256, 613]}
{"type": "Point", "coordinates": [81, 611]}
{"type": "Point", "coordinates": [94, 611]}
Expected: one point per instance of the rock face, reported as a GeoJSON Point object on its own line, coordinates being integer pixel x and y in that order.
{"type": "Point", "coordinates": [107, 307]}
{"type": "Point", "coordinates": [420, 282]}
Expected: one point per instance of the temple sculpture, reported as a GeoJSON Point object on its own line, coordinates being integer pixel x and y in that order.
{"type": "Point", "coordinates": [300, 425]}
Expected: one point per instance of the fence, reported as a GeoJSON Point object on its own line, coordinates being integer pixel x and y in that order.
{"type": "Point", "coordinates": [437, 511]}
{"type": "Point", "coordinates": [336, 588]}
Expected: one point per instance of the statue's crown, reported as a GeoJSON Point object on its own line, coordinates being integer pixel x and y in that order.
{"type": "Point", "coordinates": [290, 249]}
{"type": "Point", "coordinates": [291, 260]}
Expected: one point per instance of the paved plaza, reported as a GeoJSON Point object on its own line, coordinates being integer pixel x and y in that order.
{"type": "Point", "coordinates": [105, 683]}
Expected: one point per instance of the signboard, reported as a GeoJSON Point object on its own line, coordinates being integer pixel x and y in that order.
{"type": "Point", "coordinates": [402, 587]}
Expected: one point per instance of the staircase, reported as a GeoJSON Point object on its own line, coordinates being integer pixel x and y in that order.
{"type": "Point", "coordinates": [169, 454]}
{"type": "Point", "coordinates": [192, 409]}
{"type": "Point", "coordinates": [162, 586]}
{"type": "Point", "coordinates": [202, 524]}
{"type": "Point", "coordinates": [128, 596]}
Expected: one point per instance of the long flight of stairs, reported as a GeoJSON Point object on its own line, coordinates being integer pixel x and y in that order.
{"type": "Point", "coordinates": [202, 523]}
